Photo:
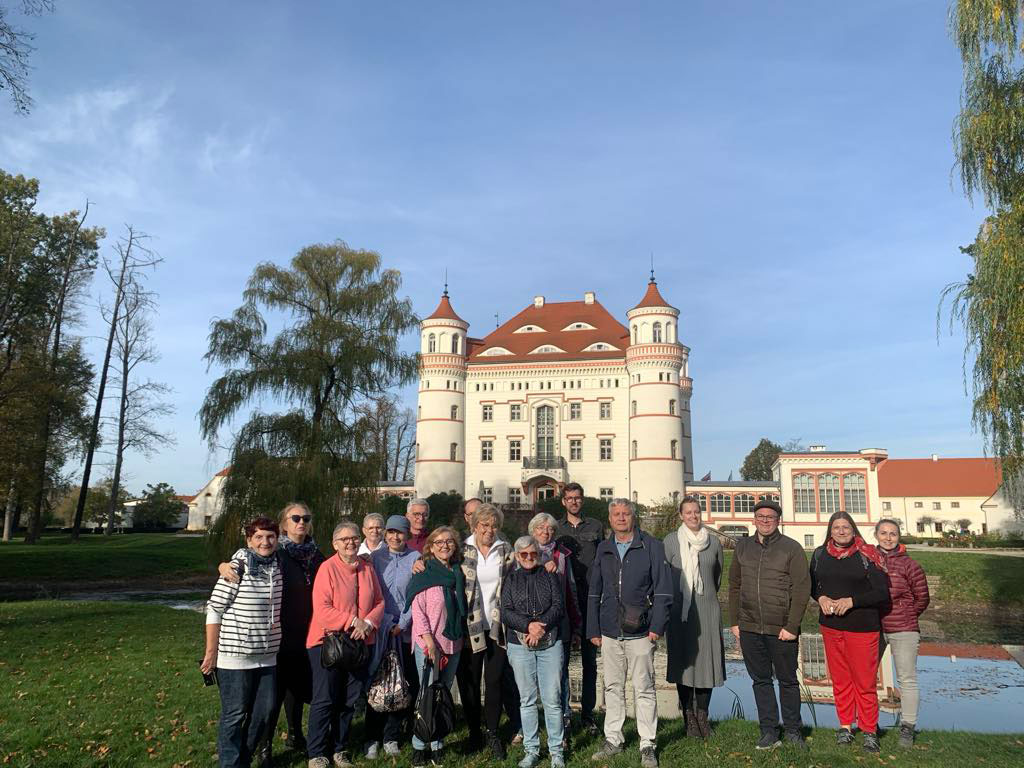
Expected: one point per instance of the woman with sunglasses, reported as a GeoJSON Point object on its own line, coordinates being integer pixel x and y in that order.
{"type": "Point", "coordinates": [300, 558]}
{"type": "Point", "coordinates": [437, 597]}
{"type": "Point", "coordinates": [532, 609]}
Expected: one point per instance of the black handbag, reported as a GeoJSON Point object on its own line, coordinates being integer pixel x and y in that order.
{"type": "Point", "coordinates": [435, 709]}
{"type": "Point", "coordinates": [340, 651]}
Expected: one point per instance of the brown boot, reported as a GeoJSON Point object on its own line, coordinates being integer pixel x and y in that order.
{"type": "Point", "coordinates": [702, 724]}
{"type": "Point", "coordinates": [692, 729]}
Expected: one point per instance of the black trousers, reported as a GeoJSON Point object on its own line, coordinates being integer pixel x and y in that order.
{"type": "Point", "coordinates": [387, 726]}
{"type": "Point", "coordinates": [490, 666]}
{"type": "Point", "coordinates": [294, 688]}
{"type": "Point", "coordinates": [765, 656]}
{"type": "Point", "coordinates": [588, 657]}
{"type": "Point", "coordinates": [693, 699]}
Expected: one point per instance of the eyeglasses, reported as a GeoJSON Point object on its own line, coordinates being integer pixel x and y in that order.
{"type": "Point", "coordinates": [573, 499]}
{"type": "Point", "coordinates": [444, 543]}
{"type": "Point", "coordinates": [348, 539]}
{"type": "Point", "coordinates": [528, 555]}
{"type": "Point", "coordinates": [417, 514]}
{"type": "Point", "coordinates": [301, 518]}
{"type": "Point", "coordinates": [763, 519]}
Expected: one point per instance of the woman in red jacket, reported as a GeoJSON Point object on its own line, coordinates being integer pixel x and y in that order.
{"type": "Point", "coordinates": [908, 592]}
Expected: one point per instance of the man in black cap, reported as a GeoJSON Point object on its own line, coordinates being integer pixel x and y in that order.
{"type": "Point", "coordinates": [769, 585]}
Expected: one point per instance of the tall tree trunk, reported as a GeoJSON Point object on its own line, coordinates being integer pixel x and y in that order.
{"type": "Point", "coordinates": [9, 511]}
{"type": "Point", "coordinates": [83, 492]}
{"type": "Point", "coordinates": [115, 486]}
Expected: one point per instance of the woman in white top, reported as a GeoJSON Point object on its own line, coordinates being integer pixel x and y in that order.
{"type": "Point", "coordinates": [373, 534]}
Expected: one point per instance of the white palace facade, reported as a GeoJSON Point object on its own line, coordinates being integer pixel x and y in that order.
{"type": "Point", "coordinates": [563, 392]}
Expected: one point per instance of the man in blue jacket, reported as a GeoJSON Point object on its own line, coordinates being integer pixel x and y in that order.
{"type": "Point", "coordinates": [628, 604]}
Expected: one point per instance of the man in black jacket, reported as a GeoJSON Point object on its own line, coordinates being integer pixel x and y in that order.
{"type": "Point", "coordinates": [769, 585]}
{"type": "Point", "coordinates": [581, 536]}
{"type": "Point", "coordinates": [628, 606]}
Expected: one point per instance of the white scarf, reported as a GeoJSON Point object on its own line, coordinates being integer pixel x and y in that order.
{"type": "Point", "coordinates": [690, 546]}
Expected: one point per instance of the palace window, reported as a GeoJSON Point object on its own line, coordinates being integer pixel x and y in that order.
{"type": "Point", "coordinates": [886, 506]}
{"type": "Point", "coordinates": [803, 494]}
{"type": "Point", "coordinates": [515, 450]}
{"type": "Point", "coordinates": [419, 411]}
{"type": "Point", "coordinates": [808, 540]}
{"type": "Point", "coordinates": [431, 343]}
{"type": "Point", "coordinates": [768, 497]}
{"type": "Point", "coordinates": [453, 451]}
{"type": "Point", "coordinates": [515, 496]}
{"type": "Point", "coordinates": [920, 527]}
{"type": "Point", "coordinates": [515, 412]}
{"type": "Point", "coordinates": [486, 450]}
{"type": "Point", "coordinates": [488, 413]}
{"type": "Point", "coordinates": [606, 410]}
{"type": "Point", "coordinates": [938, 527]}
{"type": "Point", "coordinates": [575, 411]}
{"type": "Point", "coordinates": [633, 451]}
{"type": "Point", "coordinates": [936, 505]}
{"type": "Point", "coordinates": [721, 505]}
{"type": "Point", "coordinates": [607, 494]}
{"type": "Point", "coordinates": [671, 407]}
{"type": "Point", "coordinates": [955, 504]}
{"type": "Point", "coordinates": [828, 493]}
{"type": "Point", "coordinates": [656, 332]}
{"type": "Point", "coordinates": [487, 496]}
{"type": "Point", "coordinates": [606, 449]}
{"type": "Point", "coordinates": [703, 499]}
{"type": "Point", "coordinates": [918, 505]}
{"type": "Point", "coordinates": [673, 448]}
{"type": "Point", "coordinates": [455, 344]}
{"type": "Point", "coordinates": [575, 450]}
{"type": "Point", "coordinates": [854, 496]}
{"type": "Point", "coordinates": [632, 408]}
{"type": "Point", "coordinates": [743, 504]}
{"type": "Point", "coordinates": [455, 413]}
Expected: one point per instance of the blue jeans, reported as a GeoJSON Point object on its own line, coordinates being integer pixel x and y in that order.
{"type": "Point", "coordinates": [539, 671]}
{"type": "Point", "coordinates": [247, 697]}
{"type": "Point", "coordinates": [447, 675]}
{"type": "Point", "coordinates": [335, 693]}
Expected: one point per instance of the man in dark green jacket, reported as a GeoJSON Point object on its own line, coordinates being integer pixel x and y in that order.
{"type": "Point", "coordinates": [769, 585]}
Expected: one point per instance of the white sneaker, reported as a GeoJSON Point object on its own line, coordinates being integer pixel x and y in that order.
{"type": "Point", "coordinates": [372, 747]}
{"type": "Point", "coordinates": [391, 749]}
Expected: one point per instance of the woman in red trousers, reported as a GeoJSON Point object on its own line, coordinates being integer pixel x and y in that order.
{"type": "Point", "coordinates": [848, 580]}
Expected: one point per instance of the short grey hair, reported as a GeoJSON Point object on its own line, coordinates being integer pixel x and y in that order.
{"type": "Point", "coordinates": [342, 526]}
{"type": "Point", "coordinates": [541, 518]}
{"type": "Point", "coordinates": [417, 502]}
{"type": "Point", "coordinates": [525, 542]}
{"type": "Point", "coordinates": [488, 512]}
{"type": "Point", "coordinates": [620, 502]}
{"type": "Point", "coordinates": [374, 516]}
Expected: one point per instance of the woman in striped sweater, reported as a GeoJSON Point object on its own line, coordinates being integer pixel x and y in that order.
{"type": "Point", "coordinates": [243, 634]}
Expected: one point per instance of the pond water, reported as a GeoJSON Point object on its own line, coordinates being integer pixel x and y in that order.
{"type": "Point", "coordinates": [179, 599]}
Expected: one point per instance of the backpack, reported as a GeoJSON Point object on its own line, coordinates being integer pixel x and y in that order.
{"type": "Point", "coordinates": [434, 717]}
{"type": "Point", "coordinates": [389, 691]}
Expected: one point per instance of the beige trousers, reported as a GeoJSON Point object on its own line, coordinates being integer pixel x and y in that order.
{"type": "Point", "coordinates": [633, 659]}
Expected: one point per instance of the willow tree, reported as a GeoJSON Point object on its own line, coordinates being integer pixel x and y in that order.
{"type": "Point", "coordinates": [989, 142]}
{"type": "Point", "coordinates": [341, 323]}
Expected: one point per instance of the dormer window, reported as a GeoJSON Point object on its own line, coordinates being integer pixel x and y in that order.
{"type": "Point", "coordinates": [493, 351]}
{"type": "Point", "coordinates": [529, 329]}
{"type": "Point", "coordinates": [546, 349]}
{"type": "Point", "coordinates": [579, 326]}
{"type": "Point", "coordinates": [600, 346]}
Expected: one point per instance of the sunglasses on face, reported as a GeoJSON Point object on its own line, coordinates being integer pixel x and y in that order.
{"type": "Point", "coordinates": [528, 555]}
{"type": "Point", "coordinates": [301, 518]}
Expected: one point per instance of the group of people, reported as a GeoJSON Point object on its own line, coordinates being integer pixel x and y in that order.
{"type": "Point", "coordinates": [481, 610]}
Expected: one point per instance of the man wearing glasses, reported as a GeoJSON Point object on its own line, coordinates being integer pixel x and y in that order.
{"type": "Point", "coordinates": [769, 585]}
{"type": "Point", "coordinates": [581, 535]}
{"type": "Point", "coordinates": [416, 512]}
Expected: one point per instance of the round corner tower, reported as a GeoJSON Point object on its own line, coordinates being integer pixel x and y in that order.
{"type": "Point", "coordinates": [441, 405]}
{"type": "Point", "coordinates": [660, 445]}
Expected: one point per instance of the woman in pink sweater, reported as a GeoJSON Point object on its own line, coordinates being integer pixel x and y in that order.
{"type": "Point", "coordinates": [438, 595]}
{"type": "Point", "coordinates": [346, 597]}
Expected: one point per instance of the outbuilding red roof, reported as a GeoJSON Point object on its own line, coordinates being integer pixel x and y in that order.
{"type": "Point", "coordinates": [444, 310]}
{"type": "Point", "coordinates": [553, 317]}
{"type": "Point", "coordinates": [939, 477]}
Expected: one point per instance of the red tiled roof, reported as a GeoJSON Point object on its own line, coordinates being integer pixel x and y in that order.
{"type": "Point", "coordinates": [942, 477]}
{"type": "Point", "coordinates": [444, 311]}
{"type": "Point", "coordinates": [653, 297]}
{"type": "Point", "coordinates": [224, 472]}
{"type": "Point", "coordinates": [185, 499]}
{"type": "Point", "coordinates": [553, 317]}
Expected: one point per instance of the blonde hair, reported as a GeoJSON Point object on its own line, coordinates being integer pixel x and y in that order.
{"type": "Point", "coordinates": [488, 512]}
{"type": "Point", "coordinates": [428, 545]}
{"type": "Point", "coordinates": [293, 505]}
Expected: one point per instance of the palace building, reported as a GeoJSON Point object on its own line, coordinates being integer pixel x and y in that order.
{"type": "Point", "coordinates": [563, 392]}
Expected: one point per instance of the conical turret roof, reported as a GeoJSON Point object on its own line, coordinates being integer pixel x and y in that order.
{"type": "Point", "coordinates": [444, 310]}
{"type": "Point", "coordinates": [653, 297]}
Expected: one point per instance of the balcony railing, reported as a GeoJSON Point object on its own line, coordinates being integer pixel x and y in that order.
{"type": "Point", "coordinates": [543, 462]}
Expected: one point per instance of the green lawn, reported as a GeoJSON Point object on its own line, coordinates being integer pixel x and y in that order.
{"type": "Point", "coordinates": [127, 557]}
{"type": "Point", "coordinates": [104, 684]}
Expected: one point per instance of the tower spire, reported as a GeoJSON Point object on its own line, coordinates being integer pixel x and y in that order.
{"type": "Point", "coordinates": [445, 282]}
{"type": "Point", "coordinates": [652, 268]}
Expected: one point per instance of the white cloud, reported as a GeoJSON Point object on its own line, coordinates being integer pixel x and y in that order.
{"type": "Point", "coordinates": [223, 149]}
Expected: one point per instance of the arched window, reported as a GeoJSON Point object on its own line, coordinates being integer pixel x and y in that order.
{"type": "Point", "coordinates": [721, 505]}
{"type": "Point", "coordinates": [854, 496]}
{"type": "Point", "coordinates": [453, 451]}
{"type": "Point", "coordinates": [634, 449]}
{"type": "Point", "coordinates": [431, 343]}
{"type": "Point", "coordinates": [455, 413]}
{"type": "Point", "coordinates": [634, 334]}
{"type": "Point", "coordinates": [803, 494]}
{"type": "Point", "coordinates": [828, 494]}
{"type": "Point", "coordinates": [670, 335]}
{"type": "Point", "coordinates": [673, 448]}
{"type": "Point", "coordinates": [455, 344]}
{"type": "Point", "coordinates": [632, 408]}
{"type": "Point", "coordinates": [703, 499]}
{"type": "Point", "coordinates": [656, 332]}
{"type": "Point", "coordinates": [671, 407]}
{"type": "Point", "coordinates": [744, 504]}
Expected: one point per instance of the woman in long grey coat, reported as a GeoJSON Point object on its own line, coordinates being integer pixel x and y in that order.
{"type": "Point", "coordinates": [696, 654]}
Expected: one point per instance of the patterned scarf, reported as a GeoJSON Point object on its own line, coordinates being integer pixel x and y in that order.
{"type": "Point", "coordinates": [545, 551]}
{"type": "Point", "coordinates": [260, 567]}
{"type": "Point", "coordinates": [303, 553]}
{"type": "Point", "coordinates": [858, 545]}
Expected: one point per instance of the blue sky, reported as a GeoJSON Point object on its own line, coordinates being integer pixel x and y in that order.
{"type": "Point", "coordinates": [789, 165]}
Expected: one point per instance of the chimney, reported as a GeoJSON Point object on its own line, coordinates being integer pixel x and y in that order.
{"type": "Point", "coordinates": [816, 448]}
{"type": "Point", "coordinates": [935, 457]}
{"type": "Point", "coordinates": [538, 301]}
{"type": "Point", "coordinates": [588, 297]}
